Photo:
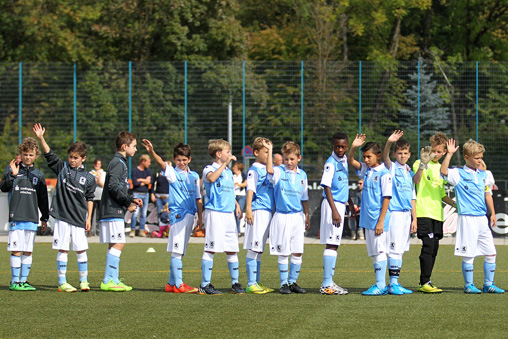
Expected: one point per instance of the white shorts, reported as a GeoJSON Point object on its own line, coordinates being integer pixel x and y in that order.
{"type": "Point", "coordinates": [112, 231]}
{"type": "Point", "coordinates": [473, 237]}
{"type": "Point", "coordinates": [220, 232]}
{"type": "Point", "coordinates": [21, 241]}
{"type": "Point", "coordinates": [376, 244]}
{"type": "Point", "coordinates": [179, 235]}
{"type": "Point", "coordinates": [400, 232]}
{"type": "Point", "coordinates": [330, 234]}
{"type": "Point", "coordinates": [287, 233]}
{"type": "Point", "coordinates": [257, 233]}
{"type": "Point", "coordinates": [64, 232]}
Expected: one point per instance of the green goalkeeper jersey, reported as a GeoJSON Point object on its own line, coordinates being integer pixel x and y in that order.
{"type": "Point", "coordinates": [430, 192]}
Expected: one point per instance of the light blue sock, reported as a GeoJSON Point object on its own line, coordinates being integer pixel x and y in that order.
{"type": "Point", "coordinates": [489, 270]}
{"type": "Point", "coordinates": [112, 266]}
{"type": "Point", "coordinates": [380, 272]}
{"type": "Point", "coordinates": [233, 272]}
{"type": "Point", "coordinates": [258, 269]}
{"type": "Point", "coordinates": [206, 272]}
{"type": "Point", "coordinates": [26, 264]}
{"type": "Point", "coordinates": [15, 268]}
{"type": "Point", "coordinates": [251, 265]}
{"type": "Point", "coordinates": [62, 271]}
{"type": "Point", "coordinates": [328, 269]}
{"type": "Point", "coordinates": [394, 270]}
{"type": "Point", "coordinates": [171, 279]}
{"type": "Point", "coordinates": [83, 271]}
{"type": "Point", "coordinates": [467, 272]}
{"type": "Point", "coordinates": [294, 272]}
{"type": "Point", "coordinates": [283, 273]}
{"type": "Point", "coordinates": [176, 266]}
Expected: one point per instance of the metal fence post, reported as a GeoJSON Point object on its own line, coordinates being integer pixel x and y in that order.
{"type": "Point", "coordinates": [185, 118]}
{"type": "Point", "coordinates": [20, 101]}
{"type": "Point", "coordinates": [74, 99]}
{"type": "Point", "coordinates": [130, 110]}
{"type": "Point", "coordinates": [418, 105]}
{"type": "Point", "coordinates": [477, 103]}
{"type": "Point", "coordinates": [243, 112]}
{"type": "Point", "coordinates": [301, 110]}
{"type": "Point", "coordinates": [360, 100]}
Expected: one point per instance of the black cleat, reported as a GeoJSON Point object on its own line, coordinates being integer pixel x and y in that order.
{"type": "Point", "coordinates": [284, 289]}
{"type": "Point", "coordinates": [236, 288]}
{"type": "Point", "coordinates": [209, 289]}
{"type": "Point", "coordinates": [296, 289]}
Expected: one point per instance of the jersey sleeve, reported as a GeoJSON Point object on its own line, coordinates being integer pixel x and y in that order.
{"type": "Point", "coordinates": [42, 198]}
{"type": "Point", "coordinates": [206, 170]}
{"type": "Point", "coordinates": [327, 178]}
{"type": "Point", "coordinates": [90, 188]}
{"type": "Point", "coordinates": [252, 181]}
{"type": "Point", "coordinates": [453, 176]}
{"type": "Point", "coordinates": [7, 180]}
{"type": "Point", "coordinates": [275, 177]}
{"type": "Point", "coordinates": [386, 185]}
{"type": "Point", "coordinates": [54, 162]}
{"type": "Point", "coordinates": [361, 172]}
{"type": "Point", "coordinates": [305, 193]}
{"type": "Point", "coordinates": [170, 174]}
{"type": "Point", "coordinates": [116, 185]}
{"type": "Point", "coordinates": [416, 165]}
{"type": "Point", "coordinates": [198, 186]}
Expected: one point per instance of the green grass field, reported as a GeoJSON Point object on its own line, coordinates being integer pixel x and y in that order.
{"type": "Point", "coordinates": [147, 311]}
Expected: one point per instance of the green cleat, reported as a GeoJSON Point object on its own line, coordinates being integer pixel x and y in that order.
{"type": "Point", "coordinates": [27, 286]}
{"type": "Point", "coordinates": [127, 288]}
{"type": "Point", "coordinates": [16, 286]}
{"type": "Point", "coordinates": [66, 287]}
{"type": "Point", "coordinates": [429, 288]}
{"type": "Point", "coordinates": [255, 289]}
{"type": "Point", "coordinates": [267, 289]}
{"type": "Point", "coordinates": [84, 286]}
{"type": "Point", "coordinates": [112, 287]}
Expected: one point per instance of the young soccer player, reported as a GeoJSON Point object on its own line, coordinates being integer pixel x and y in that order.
{"type": "Point", "coordinates": [335, 183]}
{"type": "Point", "coordinates": [27, 192]}
{"type": "Point", "coordinates": [291, 217]}
{"type": "Point", "coordinates": [374, 215]}
{"type": "Point", "coordinates": [430, 193]}
{"type": "Point", "coordinates": [184, 202]}
{"type": "Point", "coordinates": [258, 214]}
{"type": "Point", "coordinates": [72, 208]}
{"type": "Point", "coordinates": [402, 208]}
{"type": "Point", "coordinates": [219, 217]}
{"type": "Point", "coordinates": [474, 237]}
{"type": "Point", "coordinates": [115, 200]}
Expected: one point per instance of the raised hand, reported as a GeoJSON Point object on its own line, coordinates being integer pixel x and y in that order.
{"type": "Point", "coordinates": [359, 140]}
{"type": "Point", "coordinates": [39, 130]}
{"type": "Point", "coordinates": [396, 135]}
{"type": "Point", "coordinates": [450, 146]}
{"type": "Point", "coordinates": [426, 155]}
{"type": "Point", "coordinates": [14, 167]}
{"type": "Point", "coordinates": [268, 145]}
{"type": "Point", "coordinates": [148, 145]}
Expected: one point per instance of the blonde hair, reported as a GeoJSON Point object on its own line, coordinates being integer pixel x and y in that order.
{"type": "Point", "coordinates": [472, 147]}
{"type": "Point", "coordinates": [439, 139]}
{"type": "Point", "coordinates": [257, 145]}
{"type": "Point", "coordinates": [217, 145]}
{"type": "Point", "coordinates": [144, 157]}
{"type": "Point", "coordinates": [291, 147]}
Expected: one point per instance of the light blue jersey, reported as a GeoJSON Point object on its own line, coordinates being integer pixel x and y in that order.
{"type": "Point", "coordinates": [336, 176]}
{"type": "Point", "coordinates": [183, 193]}
{"type": "Point", "coordinates": [258, 183]}
{"type": "Point", "coordinates": [470, 187]}
{"type": "Point", "coordinates": [403, 191]}
{"type": "Point", "coordinates": [290, 189]}
{"type": "Point", "coordinates": [221, 193]}
{"type": "Point", "coordinates": [377, 184]}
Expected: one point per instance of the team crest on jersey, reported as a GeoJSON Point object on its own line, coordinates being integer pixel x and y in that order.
{"type": "Point", "coordinates": [250, 175]}
{"type": "Point", "coordinates": [376, 178]}
{"type": "Point", "coordinates": [218, 184]}
{"type": "Point", "coordinates": [35, 180]}
{"type": "Point", "coordinates": [327, 167]}
{"type": "Point", "coordinates": [302, 182]}
{"type": "Point", "coordinates": [16, 188]}
{"type": "Point", "coordinates": [465, 187]}
{"type": "Point", "coordinates": [82, 180]}
{"type": "Point", "coordinates": [178, 216]}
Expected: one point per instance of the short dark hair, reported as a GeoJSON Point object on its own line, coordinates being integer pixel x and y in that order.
{"type": "Point", "coordinates": [97, 160]}
{"type": "Point", "coordinates": [77, 147]}
{"type": "Point", "coordinates": [124, 138]}
{"type": "Point", "coordinates": [401, 144]}
{"type": "Point", "coordinates": [372, 146]}
{"type": "Point", "coordinates": [340, 136]}
{"type": "Point", "coordinates": [182, 149]}
{"type": "Point", "coordinates": [29, 144]}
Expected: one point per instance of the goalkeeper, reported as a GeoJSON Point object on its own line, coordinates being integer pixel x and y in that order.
{"type": "Point", "coordinates": [429, 208]}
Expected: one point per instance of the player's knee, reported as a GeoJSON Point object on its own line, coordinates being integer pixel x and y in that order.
{"type": "Point", "coordinates": [427, 246]}
{"type": "Point", "coordinates": [490, 259]}
{"type": "Point", "coordinates": [332, 247]}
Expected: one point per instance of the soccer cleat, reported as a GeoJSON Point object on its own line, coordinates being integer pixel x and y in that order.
{"type": "Point", "coordinates": [184, 288]}
{"type": "Point", "coordinates": [429, 288]}
{"type": "Point", "coordinates": [236, 288]}
{"type": "Point", "coordinates": [132, 234]}
{"type": "Point", "coordinates": [296, 289]}
{"type": "Point", "coordinates": [492, 289]}
{"type": "Point", "coordinates": [374, 290]}
{"type": "Point", "coordinates": [405, 290]}
{"type": "Point", "coordinates": [329, 290]}
{"type": "Point", "coordinates": [15, 286]}
{"type": "Point", "coordinates": [112, 287]}
{"type": "Point", "coordinates": [209, 289]}
{"type": "Point", "coordinates": [471, 289]}
{"type": "Point", "coordinates": [256, 289]}
{"type": "Point", "coordinates": [169, 288]}
{"type": "Point", "coordinates": [395, 289]}
{"type": "Point", "coordinates": [27, 286]}
{"type": "Point", "coordinates": [66, 287]}
{"type": "Point", "coordinates": [21, 286]}
{"type": "Point", "coordinates": [340, 290]}
{"type": "Point", "coordinates": [84, 286]}
{"type": "Point", "coordinates": [267, 289]}
{"type": "Point", "coordinates": [127, 288]}
{"type": "Point", "coordinates": [284, 289]}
